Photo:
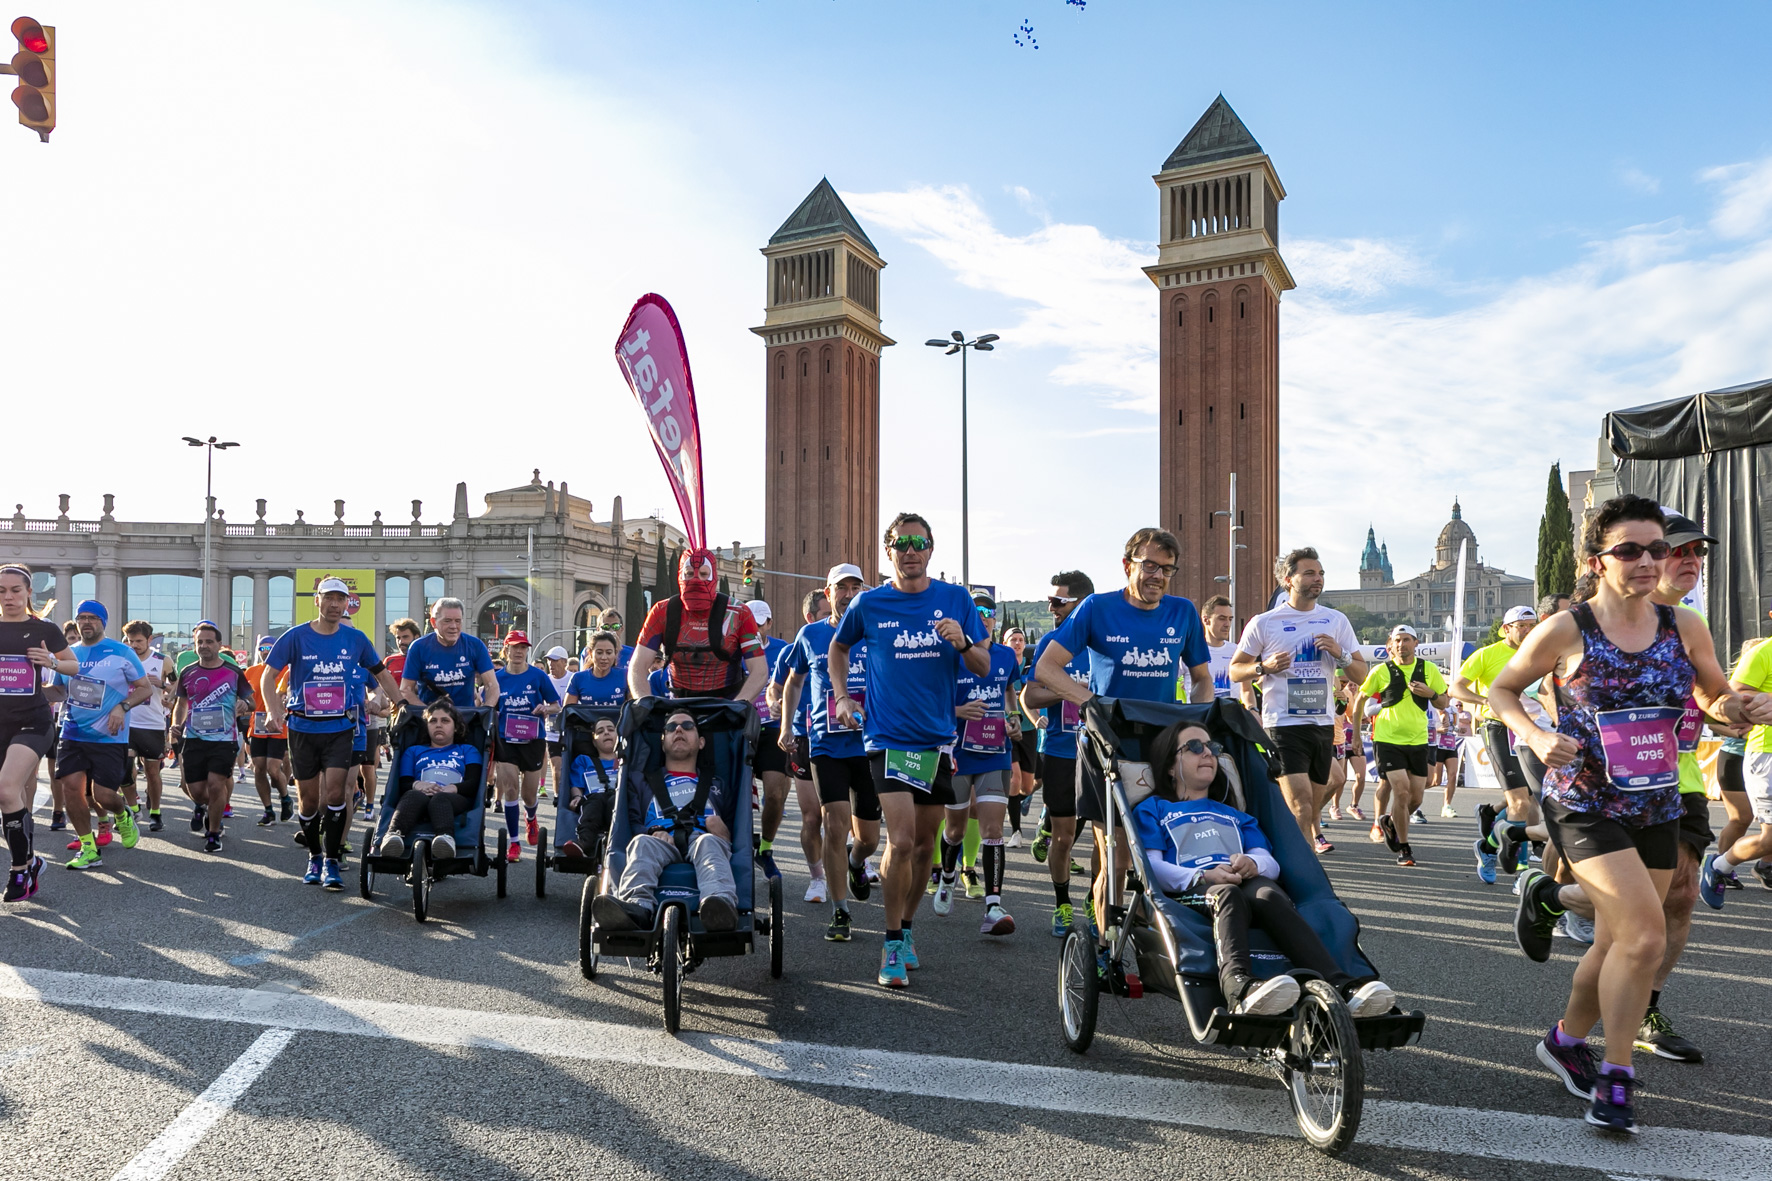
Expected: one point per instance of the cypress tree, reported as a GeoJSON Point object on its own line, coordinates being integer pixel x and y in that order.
{"type": "Point", "coordinates": [1555, 571]}
{"type": "Point", "coordinates": [633, 612]}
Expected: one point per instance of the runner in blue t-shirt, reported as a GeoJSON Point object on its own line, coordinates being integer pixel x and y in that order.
{"type": "Point", "coordinates": [602, 681]}
{"type": "Point", "coordinates": [982, 704]}
{"type": "Point", "coordinates": [1139, 639]}
{"type": "Point", "coordinates": [918, 633]}
{"type": "Point", "coordinates": [770, 763]}
{"type": "Point", "coordinates": [1057, 721]}
{"type": "Point", "coordinates": [793, 742]}
{"type": "Point", "coordinates": [520, 749]}
{"type": "Point", "coordinates": [842, 777]}
{"type": "Point", "coordinates": [94, 747]}
{"type": "Point", "coordinates": [448, 663]}
{"type": "Point", "coordinates": [322, 707]}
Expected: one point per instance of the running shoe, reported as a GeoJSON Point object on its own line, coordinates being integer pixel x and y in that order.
{"type": "Point", "coordinates": [1656, 1036]}
{"type": "Point", "coordinates": [934, 881]}
{"type": "Point", "coordinates": [268, 819]}
{"type": "Point", "coordinates": [155, 823]}
{"type": "Point", "coordinates": [330, 878]}
{"type": "Point", "coordinates": [103, 836]}
{"type": "Point", "coordinates": [1612, 1108]}
{"type": "Point", "coordinates": [1323, 845]}
{"type": "Point", "coordinates": [1710, 883]}
{"type": "Point", "coordinates": [1375, 998]}
{"type": "Point", "coordinates": [1089, 909]}
{"type": "Point", "coordinates": [1486, 814]}
{"type": "Point", "coordinates": [58, 821]}
{"type": "Point", "coordinates": [228, 812]}
{"type": "Point", "coordinates": [392, 845]}
{"type": "Point", "coordinates": [315, 868]}
{"type": "Point", "coordinates": [87, 858]}
{"type": "Point", "coordinates": [873, 869]}
{"type": "Point", "coordinates": [572, 849]}
{"type": "Point", "coordinates": [1731, 882]}
{"type": "Point", "coordinates": [944, 897]}
{"type": "Point", "coordinates": [1573, 1064]}
{"type": "Point", "coordinates": [514, 853]}
{"type": "Point", "coordinates": [892, 970]}
{"type": "Point", "coordinates": [1354, 811]}
{"type": "Point", "coordinates": [838, 931]}
{"type": "Point", "coordinates": [1532, 920]}
{"type": "Point", "coordinates": [1061, 920]}
{"type": "Point", "coordinates": [288, 808]}
{"type": "Point", "coordinates": [767, 861]}
{"type": "Point", "coordinates": [911, 962]}
{"type": "Point", "coordinates": [442, 848]}
{"type": "Point", "coordinates": [1763, 871]}
{"type": "Point", "coordinates": [1387, 832]}
{"type": "Point", "coordinates": [1577, 928]}
{"type": "Point", "coordinates": [974, 886]}
{"type": "Point", "coordinates": [212, 843]}
{"type": "Point", "coordinates": [1418, 816]}
{"type": "Point", "coordinates": [1508, 851]}
{"type": "Point", "coordinates": [127, 831]}
{"type": "Point", "coordinates": [1405, 855]}
{"type": "Point", "coordinates": [1077, 869]}
{"type": "Point", "coordinates": [22, 883]}
{"type": "Point", "coordinates": [1376, 836]}
{"type": "Point", "coordinates": [1041, 846]}
{"type": "Point", "coordinates": [1335, 812]}
{"type": "Point", "coordinates": [1012, 841]}
{"type": "Point", "coordinates": [198, 817]}
{"type": "Point", "coordinates": [1448, 811]}
{"type": "Point", "coordinates": [1267, 998]}
{"type": "Point", "coordinates": [1485, 863]}
{"type": "Point", "coordinates": [816, 891]}
{"type": "Point", "coordinates": [240, 775]}
{"type": "Point", "coordinates": [860, 885]}
{"type": "Point", "coordinates": [532, 833]}
{"type": "Point", "coordinates": [996, 921]}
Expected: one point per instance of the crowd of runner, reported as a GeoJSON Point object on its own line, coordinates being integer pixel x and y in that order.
{"type": "Point", "coordinates": [911, 726]}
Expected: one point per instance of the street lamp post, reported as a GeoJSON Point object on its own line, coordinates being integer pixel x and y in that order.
{"type": "Point", "coordinates": [959, 344]}
{"type": "Point", "coordinates": [208, 508]}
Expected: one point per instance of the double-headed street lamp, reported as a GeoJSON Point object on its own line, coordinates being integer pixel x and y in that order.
{"type": "Point", "coordinates": [208, 507]}
{"type": "Point", "coordinates": [959, 344]}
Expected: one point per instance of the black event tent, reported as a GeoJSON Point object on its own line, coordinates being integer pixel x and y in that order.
{"type": "Point", "coordinates": [1710, 457]}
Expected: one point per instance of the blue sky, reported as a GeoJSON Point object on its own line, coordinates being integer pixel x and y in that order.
{"type": "Point", "coordinates": [407, 232]}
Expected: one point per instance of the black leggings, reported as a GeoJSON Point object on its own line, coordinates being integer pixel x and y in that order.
{"type": "Point", "coordinates": [440, 809]}
{"type": "Point", "coordinates": [593, 820]}
{"type": "Point", "coordinates": [1260, 902]}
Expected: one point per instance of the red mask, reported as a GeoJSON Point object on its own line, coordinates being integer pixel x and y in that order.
{"type": "Point", "coordinates": [697, 592]}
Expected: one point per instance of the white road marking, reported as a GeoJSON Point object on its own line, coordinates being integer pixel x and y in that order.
{"type": "Point", "coordinates": [193, 1123]}
{"type": "Point", "coordinates": [1680, 1153]}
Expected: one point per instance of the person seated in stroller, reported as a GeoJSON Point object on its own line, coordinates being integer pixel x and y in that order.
{"type": "Point", "coordinates": [437, 783]}
{"type": "Point", "coordinates": [1216, 859]}
{"type": "Point", "coordinates": [672, 833]}
{"type": "Point", "coordinates": [591, 789]}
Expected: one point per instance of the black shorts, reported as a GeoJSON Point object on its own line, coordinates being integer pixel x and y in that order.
{"type": "Point", "coordinates": [147, 744]}
{"type": "Point", "coordinates": [1307, 750]}
{"type": "Point", "coordinates": [260, 747]}
{"type": "Point", "coordinates": [1695, 822]}
{"type": "Point", "coordinates": [847, 781]}
{"type": "Point", "coordinates": [1444, 754]}
{"type": "Point", "coordinates": [1580, 835]}
{"type": "Point", "coordinates": [1058, 784]}
{"type": "Point", "coordinates": [1027, 758]}
{"type": "Point", "coordinates": [1091, 787]}
{"type": "Point", "coordinates": [525, 756]}
{"type": "Point", "coordinates": [801, 764]}
{"type": "Point", "coordinates": [555, 748]}
{"type": "Point", "coordinates": [941, 791]}
{"type": "Point", "coordinates": [105, 764]}
{"type": "Point", "coordinates": [1504, 762]}
{"type": "Point", "coordinates": [1729, 771]}
{"type": "Point", "coordinates": [37, 734]}
{"type": "Point", "coordinates": [203, 759]}
{"type": "Point", "coordinates": [769, 756]}
{"type": "Point", "coordinates": [310, 754]}
{"type": "Point", "coordinates": [1398, 756]}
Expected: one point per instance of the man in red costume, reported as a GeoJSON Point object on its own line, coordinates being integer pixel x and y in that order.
{"type": "Point", "coordinates": [680, 627]}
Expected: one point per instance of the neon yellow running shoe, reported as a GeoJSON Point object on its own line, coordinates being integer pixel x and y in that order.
{"type": "Point", "coordinates": [128, 831]}
{"type": "Point", "coordinates": [88, 856]}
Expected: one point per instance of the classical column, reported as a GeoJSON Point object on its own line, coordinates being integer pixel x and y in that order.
{"type": "Point", "coordinates": [64, 595]}
{"type": "Point", "coordinates": [261, 603]}
{"type": "Point", "coordinates": [415, 596]}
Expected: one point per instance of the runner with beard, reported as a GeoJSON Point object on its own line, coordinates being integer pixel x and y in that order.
{"type": "Point", "coordinates": [710, 644]}
{"type": "Point", "coordinates": [794, 741]}
{"type": "Point", "coordinates": [1057, 722]}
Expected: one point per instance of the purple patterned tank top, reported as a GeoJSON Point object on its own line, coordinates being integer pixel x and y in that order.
{"type": "Point", "coordinates": [1609, 679]}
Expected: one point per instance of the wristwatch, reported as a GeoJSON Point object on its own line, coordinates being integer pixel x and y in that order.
{"type": "Point", "coordinates": [968, 647]}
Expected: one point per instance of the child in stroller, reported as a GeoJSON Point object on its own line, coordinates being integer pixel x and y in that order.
{"type": "Point", "coordinates": [1216, 859]}
{"type": "Point", "coordinates": [591, 790]}
{"type": "Point", "coordinates": [437, 783]}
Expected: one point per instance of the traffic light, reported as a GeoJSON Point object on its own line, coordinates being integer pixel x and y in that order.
{"type": "Point", "coordinates": [34, 64]}
{"type": "Point", "coordinates": [749, 578]}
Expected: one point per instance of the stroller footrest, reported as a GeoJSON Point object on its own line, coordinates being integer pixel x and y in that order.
{"type": "Point", "coordinates": [1247, 1029]}
{"type": "Point", "coordinates": [1390, 1030]}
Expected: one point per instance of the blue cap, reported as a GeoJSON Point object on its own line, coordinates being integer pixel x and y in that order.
{"type": "Point", "coordinates": [202, 623]}
{"type": "Point", "coordinates": [93, 607]}
{"type": "Point", "coordinates": [267, 641]}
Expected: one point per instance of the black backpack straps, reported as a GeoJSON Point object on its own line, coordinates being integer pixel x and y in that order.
{"type": "Point", "coordinates": [673, 625]}
{"type": "Point", "coordinates": [717, 629]}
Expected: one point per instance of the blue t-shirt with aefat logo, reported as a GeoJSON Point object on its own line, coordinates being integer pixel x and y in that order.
{"type": "Point", "coordinates": [324, 695]}
{"type": "Point", "coordinates": [1058, 737]}
{"type": "Point", "coordinates": [808, 657]}
{"type": "Point", "coordinates": [451, 671]}
{"type": "Point", "coordinates": [1135, 653]}
{"type": "Point", "coordinates": [911, 669]}
{"type": "Point", "coordinates": [975, 755]}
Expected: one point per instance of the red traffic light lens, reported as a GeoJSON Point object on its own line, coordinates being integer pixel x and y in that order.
{"type": "Point", "coordinates": [29, 101]}
{"type": "Point", "coordinates": [30, 35]}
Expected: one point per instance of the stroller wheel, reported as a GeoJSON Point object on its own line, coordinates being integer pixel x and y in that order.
{"type": "Point", "coordinates": [365, 875]}
{"type": "Point", "coordinates": [587, 954]}
{"type": "Point", "coordinates": [1079, 988]}
{"type": "Point", "coordinates": [671, 965]}
{"type": "Point", "coordinates": [421, 880]}
{"type": "Point", "coordinates": [1325, 1072]}
{"type": "Point", "coordinates": [775, 928]}
{"type": "Point", "coordinates": [541, 863]}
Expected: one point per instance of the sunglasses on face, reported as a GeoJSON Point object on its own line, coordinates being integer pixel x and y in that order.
{"type": "Point", "coordinates": [1057, 601]}
{"type": "Point", "coordinates": [1195, 746]}
{"type": "Point", "coordinates": [672, 726]}
{"type": "Point", "coordinates": [987, 612]}
{"type": "Point", "coordinates": [1692, 549]}
{"type": "Point", "coordinates": [901, 544]}
{"type": "Point", "coordinates": [1630, 551]}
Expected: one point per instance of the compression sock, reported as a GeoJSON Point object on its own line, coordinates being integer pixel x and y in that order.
{"type": "Point", "coordinates": [992, 853]}
{"type": "Point", "coordinates": [1655, 999]}
{"type": "Point", "coordinates": [971, 843]}
{"type": "Point", "coordinates": [892, 936]}
{"type": "Point", "coordinates": [529, 811]}
{"type": "Point", "coordinates": [18, 835]}
{"type": "Point", "coordinates": [1062, 891]}
{"type": "Point", "coordinates": [1015, 810]}
{"type": "Point", "coordinates": [950, 856]}
{"type": "Point", "coordinates": [310, 830]}
{"type": "Point", "coordinates": [1559, 1038]}
{"type": "Point", "coordinates": [511, 821]}
{"type": "Point", "coordinates": [334, 828]}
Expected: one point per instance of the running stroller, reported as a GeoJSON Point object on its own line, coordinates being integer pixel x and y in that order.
{"type": "Point", "coordinates": [677, 943]}
{"type": "Point", "coordinates": [415, 866]}
{"type": "Point", "coordinates": [576, 724]}
{"type": "Point", "coordinates": [1157, 943]}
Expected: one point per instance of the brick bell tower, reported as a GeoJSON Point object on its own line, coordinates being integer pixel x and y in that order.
{"type": "Point", "coordinates": [1219, 276]}
{"type": "Point", "coordinates": [821, 329]}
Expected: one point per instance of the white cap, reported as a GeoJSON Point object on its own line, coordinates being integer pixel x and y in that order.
{"type": "Point", "coordinates": [1403, 629]}
{"type": "Point", "coordinates": [760, 611]}
{"type": "Point", "coordinates": [1517, 614]}
{"type": "Point", "coordinates": [557, 653]}
{"type": "Point", "coordinates": [328, 585]}
{"type": "Point", "coordinates": [844, 570]}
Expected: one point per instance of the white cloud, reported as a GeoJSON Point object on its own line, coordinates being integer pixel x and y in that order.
{"type": "Point", "coordinates": [1746, 203]}
{"type": "Point", "coordinates": [1361, 267]}
{"type": "Point", "coordinates": [1638, 180]}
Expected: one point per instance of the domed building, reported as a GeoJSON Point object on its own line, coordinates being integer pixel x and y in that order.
{"type": "Point", "coordinates": [1425, 601]}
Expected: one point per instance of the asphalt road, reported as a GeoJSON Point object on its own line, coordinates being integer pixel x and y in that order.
{"type": "Point", "coordinates": [183, 1015]}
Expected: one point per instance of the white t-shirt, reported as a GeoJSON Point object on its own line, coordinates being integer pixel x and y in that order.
{"type": "Point", "coordinates": [151, 714]}
{"type": "Point", "coordinates": [1303, 695]}
{"type": "Point", "coordinates": [550, 726]}
{"type": "Point", "coordinates": [1220, 664]}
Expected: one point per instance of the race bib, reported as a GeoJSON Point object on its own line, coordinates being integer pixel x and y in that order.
{"type": "Point", "coordinates": [1691, 725]}
{"type": "Point", "coordinates": [1070, 716]}
{"type": "Point", "coordinates": [261, 723]}
{"type": "Point", "coordinates": [18, 676]}
{"type": "Point", "coordinates": [1307, 697]}
{"type": "Point", "coordinates": [985, 736]}
{"type": "Point", "coordinates": [522, 727]}
{"type": "Point", "coordinates": [323, 698]}
{"type": "Point", "coordinates": [859, 696]}
{"type": "Point", "coordinates": [1641, 746]}
{"type": "Point", "coordinates": [1201, 839]}
{"type": "Point", "coordinates": [442, 774]}
{"type": "Point", "coordinates": [915, 767]}
{"type": "Point", "coordinates": [212, 724]}
{"type": "Point", "coordinates": [764, 714]}
{"type": "Point", "coordinates": [86, 692]}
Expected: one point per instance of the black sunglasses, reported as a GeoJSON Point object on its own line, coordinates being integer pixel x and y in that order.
{"type": "Point", "coordinates": [670, 726]}
{"type": "Point", "coordinates": [1630, 551]}
{"type": "Point", "coordinates": [917, 543]}
{"type": "Point", "coordinates": [1692, 549]}
{"type": "Point", "coordinates": [1195, 746]}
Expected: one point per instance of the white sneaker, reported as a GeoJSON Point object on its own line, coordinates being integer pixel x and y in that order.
{"type": "Point", "coordinates": [1579, 929]}
{"type": "Point", "coordinates": [1274, 995]}
{"type": "Point", "coordinates": [392, 845]}
{"type": "Point", "coordinates": [442, 848]}
{"type": "Point", "coordinates": [1335, 811]}
{"type": "Point", "coordinates": [996, 921]}
{"type": "Point", "coordinates": [1012, 841]}
{"type": "Point", "coordinates": [815, 891]}
{"type": "Point", "coordinates": [1372, 1000]}
{"type": "Point", "coordinates": [873, 870]}
{"type": "Point", "coordinates": [944, 896]}
{"type": "Point", "coordinates": [1448, 811]}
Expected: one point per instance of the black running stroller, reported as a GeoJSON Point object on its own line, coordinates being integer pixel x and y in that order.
{"type": "Point", "coordinates": [576, 724]}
